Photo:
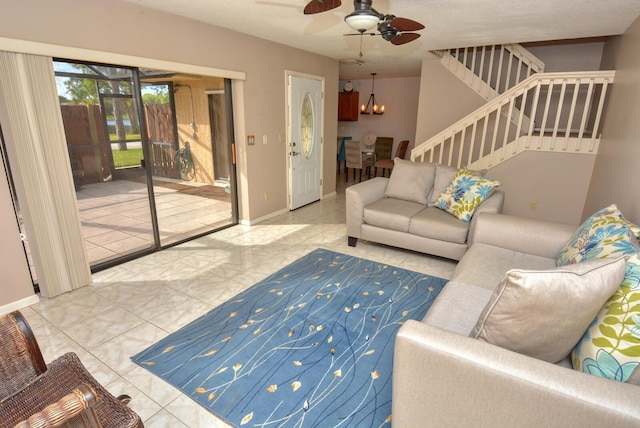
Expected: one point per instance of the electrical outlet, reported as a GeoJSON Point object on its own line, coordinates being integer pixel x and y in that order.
{"type": "Point", "coordinates": [533, 206]}
{"type": "Point", "coordinates": [266, 196]}
{"type": "Point", "coordinates": [264, 139]}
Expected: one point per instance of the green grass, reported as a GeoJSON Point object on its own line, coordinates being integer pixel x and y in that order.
{"type": "Point", "coordinates": [128, 157]}
{"type": "Point", "coordinates": [129, 137]}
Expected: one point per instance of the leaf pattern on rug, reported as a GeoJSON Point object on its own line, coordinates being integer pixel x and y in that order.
{"type": "Point", "coordinates": [318, 353]}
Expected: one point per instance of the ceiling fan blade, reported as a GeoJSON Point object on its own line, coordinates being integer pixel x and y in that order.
{"type": "Point", "coordinates": [404, 24]}
{"type": "Point", "coordinates": [405, 38]}
{"type": "Point", "coordinates": [317, 6]}
{"type": "Point", "coordinates": [364, 34]}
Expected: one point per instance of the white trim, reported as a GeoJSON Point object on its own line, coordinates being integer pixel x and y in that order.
{"type": "Point", "coordinates": [19, 304]}
{"type": "Point", "coordinates": [68, 52]}
{"type": "Point", "coordinates": [265, 218]}
{"type": "Point", "coordinates": [330, 195]}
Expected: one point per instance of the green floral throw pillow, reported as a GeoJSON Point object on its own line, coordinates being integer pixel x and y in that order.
{"type": "Point", "coordinates": [605, 234]}
{"type": "Point", "coordinates": [465, 192]}
{"type": "Point", "coordinates": [610, 348]}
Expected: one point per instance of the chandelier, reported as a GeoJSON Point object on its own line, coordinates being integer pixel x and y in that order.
{"type": "Point", "coordinates": [375, 108]}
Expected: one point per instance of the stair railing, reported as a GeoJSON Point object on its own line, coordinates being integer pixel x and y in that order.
{"type": "Point", "coordinates": [566, 111]}
{"type": "Point", "coordinates": [492, 70]}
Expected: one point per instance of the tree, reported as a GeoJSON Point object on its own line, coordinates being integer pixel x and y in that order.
{"type": "Point", "coordinates": [82, 91]}
{"type": "Point", "coordinates": [155, 94]}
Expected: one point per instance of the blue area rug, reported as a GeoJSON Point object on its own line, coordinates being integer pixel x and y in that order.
{"type": "Point", "coordinates": [310, 345]}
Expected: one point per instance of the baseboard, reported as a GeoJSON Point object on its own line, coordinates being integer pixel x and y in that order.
{"type": "Point", "coordinates": [277, 213]}
{"type": "Point", "coordinates": [265, 218]}
{"type": "Point", "coordinates": [19, 304]}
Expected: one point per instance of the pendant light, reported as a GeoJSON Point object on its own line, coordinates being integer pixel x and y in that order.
{"type": "Point", "coordinates": [375, 108]}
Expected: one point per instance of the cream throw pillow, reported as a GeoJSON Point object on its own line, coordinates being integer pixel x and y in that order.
{"type": "Point", "coordinates": [410, 181]}
{"type": "Point", "coordinates": [543, 314]}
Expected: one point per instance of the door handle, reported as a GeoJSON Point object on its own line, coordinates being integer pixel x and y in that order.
{"type": "Point", "coordinates": [292, 153]}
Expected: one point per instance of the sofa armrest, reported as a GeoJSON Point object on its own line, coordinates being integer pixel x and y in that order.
{"type": "Point", "coordinates": [537, 237]}
{"type": "Point", "coordinates": [358, 197]}
{"type": "Point", "coordinates": [442, 379]}
{"type": "Point", "coordinates": [493, 204]}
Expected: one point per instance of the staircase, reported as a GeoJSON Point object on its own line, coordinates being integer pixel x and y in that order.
{"type": "Point", "coordinates": [491, 70]}
{"type": "Point", "coordinates": [527, 109]}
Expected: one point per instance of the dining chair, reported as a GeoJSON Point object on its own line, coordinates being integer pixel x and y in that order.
{"type": "Point", "coordinates": [385, 164]}
{"type": "Point", "coordinates": [62, 393]}
{"type": "Point", "coordinates": [342, 153]}
{"type": "Point", "coordinates": [354, 158]}
{"type": "Point", "coordinates": [384, 146]}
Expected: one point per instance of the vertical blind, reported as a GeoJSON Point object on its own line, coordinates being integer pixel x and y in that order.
{"type": "Point", "coordinates": [37, 150]}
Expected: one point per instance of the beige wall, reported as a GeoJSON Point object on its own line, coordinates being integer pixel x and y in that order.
{"type": "Point", "coordinates": [201, 142]}
{"type": "Point", "coordinates": [122, 28]}
{"type": "Point", "coordinates": [400, 98]}
{"type": "Point", "coordinates": [576, 55]}
{"type": "Point", "coordinates": [444, 99]}
{"type": "Point", "coordinates": [556, 183]}
{"type": "Point", "coordinates": [616, 173]}
{"type": "Point", "coordinates": [16, 289]}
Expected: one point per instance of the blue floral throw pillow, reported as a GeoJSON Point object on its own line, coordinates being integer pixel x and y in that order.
{"type": "Point", "coordinates": [465, 192]}
{"type": "Point", "coordinates": [610, 348]}
{"type": "Point", "coordinates": [605, 234]}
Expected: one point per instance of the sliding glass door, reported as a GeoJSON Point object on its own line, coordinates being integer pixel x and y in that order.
{"type": "Point", "coordinates": [144, 157]}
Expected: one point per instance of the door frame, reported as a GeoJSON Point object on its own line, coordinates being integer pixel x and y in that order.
{"type": "Point", "coordinates": [287, 74]}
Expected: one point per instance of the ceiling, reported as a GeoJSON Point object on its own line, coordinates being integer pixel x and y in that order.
{"type": "Point", "coordinates": [449, 24]}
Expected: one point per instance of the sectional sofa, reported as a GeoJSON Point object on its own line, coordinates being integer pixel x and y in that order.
{"type": "Point", "coordinates": [485, 354]}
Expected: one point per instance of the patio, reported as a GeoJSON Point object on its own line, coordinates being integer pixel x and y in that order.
{"type": "Point", "coordinates": [116, 217]}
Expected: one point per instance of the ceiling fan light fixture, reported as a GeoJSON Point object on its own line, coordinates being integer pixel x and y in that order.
{"type": "Point", "coordinates": [362, 20]}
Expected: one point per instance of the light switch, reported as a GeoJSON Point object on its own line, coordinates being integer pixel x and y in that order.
{"type": "Point", "coordinates": [264, 139]}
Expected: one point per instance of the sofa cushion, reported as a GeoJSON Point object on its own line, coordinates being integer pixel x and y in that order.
{"type": "Point", "coordinates": [485, 265]}
{"type": "Point", "coordinates": [606, 233]}
{"type": "Point", "coordinates": [444, 174]}
{"type": "Point", "coordinates": [610, 348]}
{"type": "Point", "coordinates": [457, 307]}
{"type": "Point", "coordinates": [465, 193]}
{"type": "Point", "coordinates": [391, 213]}
{"type": "Point", "coordinates": [543, 314]}
{"type": "Point", "coordinates": [437, 224]}
{"type": "Point", "coordinates": [410, 181]}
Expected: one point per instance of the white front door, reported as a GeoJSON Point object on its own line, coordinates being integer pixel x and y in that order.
{"type": "Point", "coordinates": [304, 134]}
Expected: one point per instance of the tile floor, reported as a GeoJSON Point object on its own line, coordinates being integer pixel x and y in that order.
{"type": "Point", "coordinates": [131, 306]}
{"type": "Point", "coordinates": [116, 217]}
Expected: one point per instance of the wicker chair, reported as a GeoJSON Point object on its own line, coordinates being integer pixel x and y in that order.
{"type": "Point", "coordinates": [63, 393]}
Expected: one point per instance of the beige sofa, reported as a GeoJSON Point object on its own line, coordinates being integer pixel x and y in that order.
{"type": "Point", "coordinates": [444, 378]}
{"type": "Point", "coordinates": [374, 216]}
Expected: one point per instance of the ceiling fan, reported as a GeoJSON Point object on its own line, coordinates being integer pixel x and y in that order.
{"type": "Point", "coordinates": [364, 18]}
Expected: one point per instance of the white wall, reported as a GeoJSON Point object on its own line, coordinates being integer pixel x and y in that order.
{"type": "Point", "coordinates": [400, 98]}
